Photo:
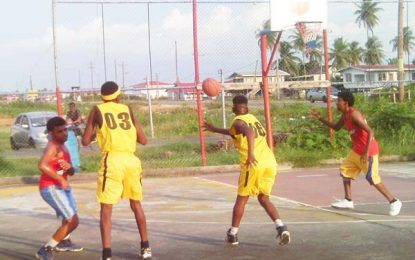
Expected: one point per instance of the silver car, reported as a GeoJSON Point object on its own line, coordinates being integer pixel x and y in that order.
{"type": "Point", "coordinates": [319, 94]}
{"type": "Point", "coordinates": [29, 130]}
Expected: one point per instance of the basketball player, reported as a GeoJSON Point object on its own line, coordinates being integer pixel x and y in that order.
{"type": "Point", "coordinates": [55, 166]}
{"type": "Point", "coordinates": [258, 168]}
{"type": "Point", "coordinates": [364, 156]}
{"type": "Point", "coordinates": [117, 132]}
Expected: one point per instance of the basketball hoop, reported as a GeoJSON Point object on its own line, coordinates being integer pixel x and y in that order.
{"type": "Point", "coordinates": [308, 32]}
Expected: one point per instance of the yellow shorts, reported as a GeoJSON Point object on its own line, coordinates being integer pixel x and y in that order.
{"type": "Point", "coordinates": [255, 181]}
{"type": "Point", "coordinates": [352, 167]}
{"type": "Point", "coordinates": [119, 177]}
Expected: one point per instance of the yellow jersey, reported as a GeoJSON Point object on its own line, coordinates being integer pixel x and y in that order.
{"type": "Point", "coordinates": [262, 152]}
{"type": "Point", "coordinates": [118, 133]}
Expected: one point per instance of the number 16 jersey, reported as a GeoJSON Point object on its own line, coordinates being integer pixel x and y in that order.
{"type": "Point", "coordinates": [118, 133]}
{"type": "Point", "coordinates": [262, 152]}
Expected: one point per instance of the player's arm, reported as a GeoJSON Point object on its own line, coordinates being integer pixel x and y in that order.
{"type": "Point", "coordinates": [335, 125]}
{"type": "Point", "coordinates": [79, 119]}
{"type": "Point", "coordinates": [358, 119]}
{"type": "Point", "coordinates": [242, 128]}
{"type": "Point", "coordinates": [211, 128]}
{"type": "Point", "coordinates": [94, 119]}
{"type": "Point", "coordinates": [44, 167]}
{"type": "Point", "coordinates": [141, 137]}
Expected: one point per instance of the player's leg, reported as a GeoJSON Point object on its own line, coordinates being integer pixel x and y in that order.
{"type": "Point", "coordinates": [105, 224]}
{"type": "Point", "coordinates": [237, 214]}
{"type": "Point", "coordinates": [134, 192]}
{"type": "Point", "coordinates": [373, 177]}
{"type": "Point", "coordinates": [266, 179]}
{"type": "Point", "coordinates": [349, 170]}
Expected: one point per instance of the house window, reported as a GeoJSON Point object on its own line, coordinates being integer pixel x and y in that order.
{"type": "Point", "coordinates": [359, 77]}
{"type": "Point", "coordinates": [390, 76]}
{"type": "Point", "coordinates": [382, 76]}
{"type": "Point", "coordinates": [413, 76]}
{"type": "Point", "coordinates": [348, 77]}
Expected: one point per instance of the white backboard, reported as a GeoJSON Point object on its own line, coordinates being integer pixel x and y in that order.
{"type": "Point", "coordinates": [284, 14]}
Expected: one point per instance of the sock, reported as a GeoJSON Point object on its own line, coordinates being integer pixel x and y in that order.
{"type": "Point", "coordinates": [145, 244]}
{"type": "Point", "coordinates": [67, 237]}
{"type": "Point", "coordinates": [234, 230]}
{"type": "Point", "coordinates": [348, 199]}
{"type": "Point", "coordinates": [392, 201]}
{"type": "Point", "coordinates": [52, 243]}
{"type": "Point", "coordinates": [106, 253]}
{"type": "Point", "coordinates": [278, 223]}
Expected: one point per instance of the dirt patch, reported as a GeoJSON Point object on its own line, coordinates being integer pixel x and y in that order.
{"type": "Point", "coordinates": [6, 121]}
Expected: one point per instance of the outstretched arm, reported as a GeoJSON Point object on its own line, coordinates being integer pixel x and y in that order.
{"type": "Point", "coordinates": [336, 126]}
{"type": "Point", "coordinates": [211, 128]}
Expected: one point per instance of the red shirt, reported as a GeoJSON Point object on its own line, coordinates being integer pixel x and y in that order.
{"type": "Point", "coordinates": [46, 181]}
{"type": "Point", "coordinates": [359, 136]}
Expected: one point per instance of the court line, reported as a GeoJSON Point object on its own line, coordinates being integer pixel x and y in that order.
{"type": "Point", "coordinates": [337, 212]}
{"type": "Point", "coordinates": [311, 175]}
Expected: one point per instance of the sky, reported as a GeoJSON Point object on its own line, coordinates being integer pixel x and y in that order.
{"type": "Point", "coordinates": [227, 39]}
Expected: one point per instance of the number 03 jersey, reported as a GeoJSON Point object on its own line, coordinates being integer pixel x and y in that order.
{"type": "Point", "coordinates": [118, 133]}
{"type": "Point", "coordinates": [262, 152]}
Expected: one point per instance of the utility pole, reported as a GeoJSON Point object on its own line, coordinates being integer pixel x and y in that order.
{"type": "Point", "coordinates": [103, 41]}
{"type": "Point", "coordinates": [91, 67]}
{"type": "Point", "coordinates": [175, 58]}
{"type": "Point", "coordinates": [115, 68]}
{"type": "Point", "coordinates": [401, 71]}
{"type": "Point", "coordinates": [123, 75]}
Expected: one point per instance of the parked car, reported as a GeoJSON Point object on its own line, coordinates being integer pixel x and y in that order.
{"type": "Point", "coordinates": [319, 94]}
{"type": "Point", "coordinates": [29, 130]}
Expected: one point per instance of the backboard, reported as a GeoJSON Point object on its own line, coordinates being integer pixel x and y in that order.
{"type": "Point", "coordinates": [284, 14]}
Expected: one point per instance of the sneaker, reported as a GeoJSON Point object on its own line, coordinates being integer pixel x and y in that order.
{"type": "Point", "coordinates": [343, 204]}
{"type": "Point", "coordinates": [67, 245]}
{"type": "Point", "coordinates": [145, 253]}
{"type": "Point", "coordinates": [231, 239]}
{"type": "Point", "coordinates": [283, 235]}
{"type": "Point", "coordinates": [395, 208]}
{"type": "Point", "coordinates": [44, 253]}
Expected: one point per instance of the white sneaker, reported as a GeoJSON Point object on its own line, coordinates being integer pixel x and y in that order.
{"type": "Point", "coordinates": [145, 253]}
{"type": "Point", "coordinates": [395, 208]}
{"type": "Point", "coordinates": [343, 204]}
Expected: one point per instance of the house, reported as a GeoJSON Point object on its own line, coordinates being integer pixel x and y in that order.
{"type": "Point", "coordinates": [156, 89]}
{"type": "Point", "coordinates": [182, 91]}
{"type": "Point", "coordinates": [256, 77]}
{"type": "Point", "coordinates": [374, 76]}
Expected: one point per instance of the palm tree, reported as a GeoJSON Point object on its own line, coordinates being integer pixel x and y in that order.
{"type": "Point", "coordinates": [271, 36]}
{"type": "Point", "coordinates": [374, 52]}
{"type": "Point", "coordinates": [392, 61]}
{"type": "Point", "coordinates": [288, 61]}
{"type": "Point", "coordinates": [367, 15]}
{"type": "Point", "coordinates": [339, 53]}
{"type": "Point", "coordinates": [408, 41]}
{"type": "Point", "coordinates": [316, 54]}
{"type": "Point", "coordinates": [355, 52]}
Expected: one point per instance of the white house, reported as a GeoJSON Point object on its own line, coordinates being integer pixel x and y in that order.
{"type": "Point", "coordinates": [253, 77]}
{"type": "Point", "coordinates": [373, 76]}
{"type": "Point", "coordinates": [156, 89]}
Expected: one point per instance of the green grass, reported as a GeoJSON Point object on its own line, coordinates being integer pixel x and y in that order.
{"type": "Point", "coordinates": [18, 167]}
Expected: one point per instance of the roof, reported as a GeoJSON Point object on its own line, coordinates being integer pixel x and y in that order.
{"type": "Point", "coordinates": [272, 73]}
{"type": "Point", "coordinates": [378, 67]}
{"type": "Point", "coordinates": [151, 83]}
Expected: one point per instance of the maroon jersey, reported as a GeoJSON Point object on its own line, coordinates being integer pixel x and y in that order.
{"type": "Point", "coordinates": [46, 181]}
{"type": "Point", "coordinates": [359, 136]}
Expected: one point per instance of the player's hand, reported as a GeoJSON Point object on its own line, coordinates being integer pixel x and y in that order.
{"type": "Point", "coordinates": [251, 161]}
{"type": "Point", "coordinates": [314, 114]}
{"type": "Point", "coordinates": [208, 126]}
{"type": "Point", "coordinates": [64, 165]}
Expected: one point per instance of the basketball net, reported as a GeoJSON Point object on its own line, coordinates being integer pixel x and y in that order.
{"type": "Point", "coordinates": [308, 32]}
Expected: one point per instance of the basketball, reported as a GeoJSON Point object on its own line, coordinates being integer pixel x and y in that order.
{"type": "Point", "coordinates": [211, 87]}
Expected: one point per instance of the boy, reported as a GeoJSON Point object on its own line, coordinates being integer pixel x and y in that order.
{"type": "Point", "coordinates": [120, 173]}
{"type": "Point", "coordinates": [55, 166]}
{"type": "Point", "coordinates": [258, 168]}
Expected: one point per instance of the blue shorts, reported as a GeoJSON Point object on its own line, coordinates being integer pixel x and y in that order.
{"type": "Point", "coordinates": [60, 200]}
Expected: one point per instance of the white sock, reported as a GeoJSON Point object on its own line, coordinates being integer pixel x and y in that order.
{"type": "Point", "coordinates": [52, 243]}
{"type": "Point", "coordinates": [67, 237]}
{"type": "Point", "coordinates": [278, 222]}
{"type": "Point", "coordinates": [234, 230]}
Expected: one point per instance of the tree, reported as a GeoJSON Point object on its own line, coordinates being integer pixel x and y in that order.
{"type": "Point", "coordinates": [355, 53]}
{"type": "Point", "coordinates": [392, 61]}
{"type": "Point", "coordinates": [374, 52]}
{"type": "Point", "coordinates": [288, 61]}
{"type": "Point", "coordinates": [271, 36]}
{"type": "Point", "coordinates": [408, 41]}
{"type": "Point", "coordinates": [339, 53]}
{"type": "Point", "coordinates": [367, 15]}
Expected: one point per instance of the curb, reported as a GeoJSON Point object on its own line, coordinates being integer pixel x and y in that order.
{"type": "Point", "coordinates": [383, 159]}
{"type": "Point", "coordinates": [160, 172]}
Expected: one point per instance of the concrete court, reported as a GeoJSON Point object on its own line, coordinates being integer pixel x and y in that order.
{"type": "Point", "coordinates": [188, 217]}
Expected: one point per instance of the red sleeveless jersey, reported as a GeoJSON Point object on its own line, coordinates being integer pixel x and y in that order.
{"type": "Point", "coordinates": [46, 181]}
{"type": "Point", "coordinates": [359, 136]}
